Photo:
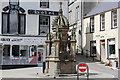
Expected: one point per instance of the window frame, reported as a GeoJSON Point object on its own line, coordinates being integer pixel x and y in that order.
{"type": "Point", "coordinates": [92, 25]}
{"type": "Point", "coordinates": [113, 19]}
{"type": "Point", "coordinates": [14, 5]}
{"type": "Point", "coordinates": [39, 30]}
{"type": "Point", "coordinates": [46, 4]}
{"type": "Point", "coordinates": [102, 21]}
{"type": "Point", "coordinates": [108, 48]}
{"type": "Point", "coordinates": [19, 24]}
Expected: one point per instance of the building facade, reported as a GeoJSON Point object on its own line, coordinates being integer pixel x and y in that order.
{"type": "Point", "coordinates": [101, 31]}
{"type": "Point", "coordinates": [24, 27]}
{"type": "Point", "coordinates": [78, 9]}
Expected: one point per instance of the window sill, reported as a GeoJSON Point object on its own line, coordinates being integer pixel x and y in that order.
{"type": "Point", "coordinates": [91, 32]}
{"type": "Point", "coordinates": [114, 28]}
{"type": "Point", "coordinates": [102, 30]}
{"type": "Point", "coordinates": [112, 56]}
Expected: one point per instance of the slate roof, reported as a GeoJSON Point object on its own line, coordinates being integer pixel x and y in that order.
{"type": "Point", "coordinates": [104, 6]}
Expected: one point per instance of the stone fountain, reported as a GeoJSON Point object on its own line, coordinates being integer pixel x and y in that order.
{"type": "Point", "coordinates": [61, 49]}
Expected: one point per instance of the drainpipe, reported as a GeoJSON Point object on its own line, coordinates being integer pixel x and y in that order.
{"type": "Point", "coordinates": [81, 26]}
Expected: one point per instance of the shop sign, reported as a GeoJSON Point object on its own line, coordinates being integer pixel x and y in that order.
{"type": "Point", "coordinates": [10, 40]}
{"type": "Point", "coordinates": [22, 40]}
{"type": "Point", "coordinates": [42, 12]}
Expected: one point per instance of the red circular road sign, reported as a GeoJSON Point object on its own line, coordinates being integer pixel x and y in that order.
{"type": "Point", "coordinates": [82, 67]}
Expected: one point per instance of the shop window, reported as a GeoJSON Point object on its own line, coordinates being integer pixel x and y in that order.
{"type": "Point", "coordinates": [44, 25]}
{"type": "Point", "coordinates": [102, 22]}
{"type": "Point", "coordinates": [92, 24]}
{"type": "Point", "coordinates": [111, 48]}
{"type": "Point", "coordinates": [114, 19]}
{"type": "Point", "coordinates": [6, 50]}
{"type": "Point", "coordinates": [33, 50]}
{"type": "Point", "coordinates": [44, 4]}
{"type": "Point", "coordinates": [23, 50]}
{"type": "Point", "coordinates": [15, 51]}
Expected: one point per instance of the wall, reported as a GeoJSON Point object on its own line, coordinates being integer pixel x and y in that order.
{"type": "Point", "coordinates": [99, 35]}
{"type": "Point", "coordinates": [32, 21]}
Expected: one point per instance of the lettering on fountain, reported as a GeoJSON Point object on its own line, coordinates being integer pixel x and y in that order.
{"type": "Point", "coordinates": [61, 49]}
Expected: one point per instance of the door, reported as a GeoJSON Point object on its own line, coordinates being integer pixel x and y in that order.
{"type": "Point", "coordinates": [1, 54]}
{"type": "Point", "coordinates": [40, 55]}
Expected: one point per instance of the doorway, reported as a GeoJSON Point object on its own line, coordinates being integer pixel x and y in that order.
{"type": "Point", "coordinates": [102, 50]}
{"type": "Point", "coordinates": [93, 49]}
{"type": "Point", "coordinates": [40, 55]}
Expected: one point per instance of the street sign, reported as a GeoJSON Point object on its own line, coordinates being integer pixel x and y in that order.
{"type": "Point", "coordinates": [82, 68]}
{"type": "Point", "coordinates": [43, 12]}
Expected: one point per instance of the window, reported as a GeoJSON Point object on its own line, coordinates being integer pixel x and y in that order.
{"type": "Point", "coordinates": [102, 22]}
{"type": "Point", "coordinates": [44, 4]}
{"type": "Point", "coordinates": [111, 48]}
{"type": "Point", "coordinates": [15, 50]}
{"type": "Point", "coordinates": [13, 21]}
{"type": "Point", "coordinates": [44, 24]}
{"type": "Point", "coordinates": [92, 24]}
{"type": "Point", "coordinates": [114, 19]}
{"type": "Point", "coordinates": [77, 13]}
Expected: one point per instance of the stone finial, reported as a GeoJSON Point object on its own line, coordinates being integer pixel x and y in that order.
{"type": "Point", "coordinates": [60, 10]}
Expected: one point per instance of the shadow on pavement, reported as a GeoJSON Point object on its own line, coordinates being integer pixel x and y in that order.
{"type": "Point", "coordinates": [83, 58]}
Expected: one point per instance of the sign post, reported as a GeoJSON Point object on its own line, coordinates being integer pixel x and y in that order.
{"type": "Point", "coordinates": [82, 68]}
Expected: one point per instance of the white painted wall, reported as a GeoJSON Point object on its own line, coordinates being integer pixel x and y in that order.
{"type": "Point", "coordinates": [32, 21]}
{"type": "Point", "coordinates": [100, 35]}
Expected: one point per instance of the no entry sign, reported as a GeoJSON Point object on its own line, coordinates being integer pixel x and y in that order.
{"type": "Point", "coordinates": [82, 68]}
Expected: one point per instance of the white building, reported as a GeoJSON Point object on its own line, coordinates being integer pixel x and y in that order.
{"type": "Point", "coordinates": [23, 29]}
{"type": "Point", "coordinates": [101, 31]}
{"type": "Point", "coordinates": [78, 9]}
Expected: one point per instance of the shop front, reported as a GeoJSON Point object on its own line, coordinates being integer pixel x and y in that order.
{"type": "Point", "coordinates": [23, 50]}
{"type": "Point", "coordinates": [111, 49]}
